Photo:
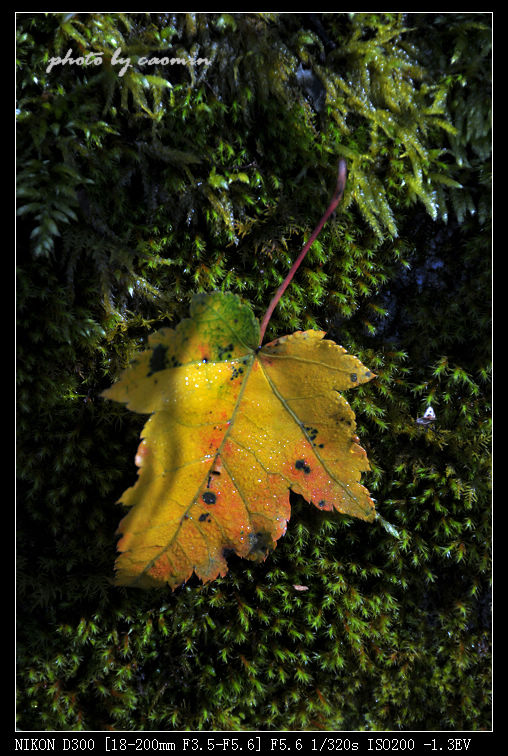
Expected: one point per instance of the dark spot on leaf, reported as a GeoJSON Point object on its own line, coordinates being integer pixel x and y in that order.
{"type": "Point", "coordinates": [260, 543]}
{"type": "Point", "coordinates": [368, 373]}
{"type": "Point", "coordinates": [354, 377]}
{"type": "Point", "coordinates": [300, 464]}
{"type": "Point", "coordinates": [225, 352]}
{"type": "Point", "coordinates": [204, 516]}
{"type": "Point", "coordinates": [158, 359]}
{"type": "Point", "coordinates": [209, 497]}
{"type": "Point", "coordinates": [236, 372]}
{"type": "Point", "coordinates": [213, 472]}
{"type": "Point", "coordinates": [321, 503]}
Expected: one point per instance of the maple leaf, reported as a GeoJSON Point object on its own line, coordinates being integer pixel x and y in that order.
{"type": "Point", "coordinates": [233, 427]}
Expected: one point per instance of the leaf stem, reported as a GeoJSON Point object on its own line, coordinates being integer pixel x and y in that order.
{"type": "Point", "coordinates": [337, 196]}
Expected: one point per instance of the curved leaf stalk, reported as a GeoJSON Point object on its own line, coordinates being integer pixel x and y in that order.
{"type": "Point", "coordinates": [337, 196]}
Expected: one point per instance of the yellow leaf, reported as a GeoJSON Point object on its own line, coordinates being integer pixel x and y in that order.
{"type": "Point", "coordinates": [233, 427]}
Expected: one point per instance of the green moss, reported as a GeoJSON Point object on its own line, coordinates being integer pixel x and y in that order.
{"type": "Point", "coordinates": [133, 195]}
